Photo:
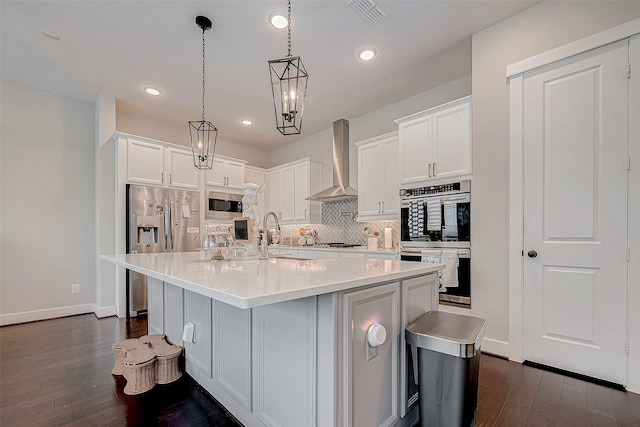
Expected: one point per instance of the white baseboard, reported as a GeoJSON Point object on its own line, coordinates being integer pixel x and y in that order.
{"type": "Point", "coordinates": [49, 313]}
{"type": "Point", "coordinates": [108, 311]}
{"type": "Point", "coordinates": [499, 348]}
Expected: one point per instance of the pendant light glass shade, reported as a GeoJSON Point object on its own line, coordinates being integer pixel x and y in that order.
{"type": "Point", "coordinates": [203, 134]}
{"type": "Point", "coordinates": [289, 86]}
{"type": "Point", "coordinates": [289, 89]}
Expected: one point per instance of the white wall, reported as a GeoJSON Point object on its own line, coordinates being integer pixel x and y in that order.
{"type": "Point", "coordinates": [47, 191]}
{"type": "Point", "coordinates": [540, 28]}
{"type": "Point", "coordinates": [140, 125]}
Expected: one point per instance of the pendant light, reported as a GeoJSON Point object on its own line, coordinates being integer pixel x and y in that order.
{"type": "Point", "coordinates": [289, 89]}
{"type": "Point", "coordinates": [203, 134]}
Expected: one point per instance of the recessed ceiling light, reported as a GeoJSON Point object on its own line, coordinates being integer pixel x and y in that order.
{"type": "Point", "coordinates": [367, 54]}
{"type": "Point", "coordinates": [152, 91]}
{"type": "Point", "coordinates": [247, 122]}
{"type": "Point", "coordinates": [278, 20]}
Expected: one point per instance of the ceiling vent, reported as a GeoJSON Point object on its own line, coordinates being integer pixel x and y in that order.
{"type": "Point", "coordinates": [367, 9]}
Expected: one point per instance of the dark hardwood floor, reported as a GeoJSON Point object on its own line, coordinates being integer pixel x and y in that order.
{"type": "Point", "coordinates": [58, 372]}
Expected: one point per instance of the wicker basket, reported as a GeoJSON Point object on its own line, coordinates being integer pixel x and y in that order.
{"type": "Point", "coordinates": [145, 362]}
{"type": "Point", "coordinates": [120, 349]}
{"type": "Point", "coordinates": [153, 338]}
{"type": "Point", "coordinates": [139, 371]}
{"type": "Point", "coordinates": [167, 370]}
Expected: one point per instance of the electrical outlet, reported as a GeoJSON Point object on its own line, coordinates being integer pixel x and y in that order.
{"type": "Point", "coordinates": [75, 288]}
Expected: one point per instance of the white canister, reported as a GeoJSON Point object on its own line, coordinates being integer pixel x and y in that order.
{"type": "Point", "coordinates": [373, 244]}
{"type": "Point", "coordinates": [388, 239]}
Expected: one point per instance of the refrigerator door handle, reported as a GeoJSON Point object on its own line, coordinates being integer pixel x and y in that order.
{"type": "Point", "coordinates": [167, 225]}
{"type": "Point", "coordinates": [173, 215]}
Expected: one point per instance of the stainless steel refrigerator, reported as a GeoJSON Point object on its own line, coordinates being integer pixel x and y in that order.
{"type": "Point", "coordinates": [158, 220]}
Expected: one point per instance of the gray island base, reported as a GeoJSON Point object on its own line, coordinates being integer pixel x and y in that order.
{"type": "Point", "coordinates": [288, 342]}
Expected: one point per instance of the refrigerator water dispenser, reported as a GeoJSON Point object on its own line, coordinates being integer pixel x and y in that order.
{"type": "Point", "coordinates": [147, 229]}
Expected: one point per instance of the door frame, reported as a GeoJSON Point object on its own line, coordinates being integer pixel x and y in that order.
{"type": "Point", "coordinates": [515, 79]}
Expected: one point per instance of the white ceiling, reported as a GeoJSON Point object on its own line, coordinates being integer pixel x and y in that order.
{"type": "Point", "coordinates": [119, 47]}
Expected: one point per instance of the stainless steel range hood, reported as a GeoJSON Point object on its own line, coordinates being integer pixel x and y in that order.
{"type": "Point", "coordinates": [340, 189]}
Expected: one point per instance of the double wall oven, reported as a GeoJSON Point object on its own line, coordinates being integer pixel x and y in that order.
{"type": "Point", "coordinates": [438, 218]}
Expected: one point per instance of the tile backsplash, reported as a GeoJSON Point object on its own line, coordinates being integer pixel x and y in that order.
{"type": "Point", "coordinates": [339, 225]}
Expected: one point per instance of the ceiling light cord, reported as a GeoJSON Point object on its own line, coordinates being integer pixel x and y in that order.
{"type": "Point", "coordinates": [203, 86]}
{"type": "Point", "coordinates": [289, 27]}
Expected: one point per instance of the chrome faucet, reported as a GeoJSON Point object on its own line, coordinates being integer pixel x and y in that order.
{"type": "Point", "coordinates": [264, 224]}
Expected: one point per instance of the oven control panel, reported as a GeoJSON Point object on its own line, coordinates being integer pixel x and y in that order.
{"type": "Point", "coordinates": [454, 187]}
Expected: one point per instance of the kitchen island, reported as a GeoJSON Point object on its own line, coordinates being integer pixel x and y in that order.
{"type": "Point", "coordinates": [293, 342]}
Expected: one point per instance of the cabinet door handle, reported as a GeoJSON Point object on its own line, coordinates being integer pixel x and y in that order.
{"type": "Point", "coordinates": [429, 172]}
{"type": "Point", "coordinates": [305, 213]}
{"type": "Point", "coordinates": [170, 178]}
{"type": "Point", "coordinates": [162, 177]}
{"type": "Point", "coordinates": [435, 171]}
{"type": "Point", "coordinates": [382, 206]}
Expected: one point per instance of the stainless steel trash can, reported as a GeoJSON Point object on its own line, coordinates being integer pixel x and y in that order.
{"type": "Point", "coordinates": [445, 349]}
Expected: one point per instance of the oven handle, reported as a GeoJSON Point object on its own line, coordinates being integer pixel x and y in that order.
{"type": "Point", "coordinates": [452, 198]}
{"type": "Point", "coordinates": [462, 253]}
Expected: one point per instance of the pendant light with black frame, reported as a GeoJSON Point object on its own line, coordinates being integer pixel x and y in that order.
{"type": "Point", "coordinates": [289, 80]}
{"type": "Point", "coordinates": [203, 134]}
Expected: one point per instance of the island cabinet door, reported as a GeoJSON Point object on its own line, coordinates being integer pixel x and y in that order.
{"type": "Point", "coordinates": [173, 313]}
{"type": "Point", "coordinates": [419, 295]}
{"type": "Point", "coordinates": [155, 306]}
{"type": "Point", "coordinates": [232, 352]}
{"type": "Point", "coordinates": [370, 357]}
{"type": "Point", "coordinates": [285, 372]}
{"type": "Point", "coordinates": [197, 310]}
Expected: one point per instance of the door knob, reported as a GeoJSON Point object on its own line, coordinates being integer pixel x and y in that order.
{"type": "Point", "coordinates": [532, 254]}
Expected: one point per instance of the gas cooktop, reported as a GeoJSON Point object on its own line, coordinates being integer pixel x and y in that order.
{"type": "Point", "coordinates": [335, 245]}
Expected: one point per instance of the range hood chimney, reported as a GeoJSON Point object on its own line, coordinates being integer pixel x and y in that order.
{"type": "Point", "coordinates": [340, 189]}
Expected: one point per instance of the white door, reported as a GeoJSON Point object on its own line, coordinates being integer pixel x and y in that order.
{"type": "Point", "coordinates": [575, 214]}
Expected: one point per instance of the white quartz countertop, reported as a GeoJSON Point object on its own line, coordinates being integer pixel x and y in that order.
{"type": "Point", "coordinates": [252, 283]}
{"type": "Point", "coordinates": [353, 249]}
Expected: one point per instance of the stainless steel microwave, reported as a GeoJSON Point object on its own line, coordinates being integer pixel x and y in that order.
{"type": "Point", "coordinates": [222, 206]}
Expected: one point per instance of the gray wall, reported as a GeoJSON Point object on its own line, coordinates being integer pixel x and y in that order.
{"type": "Point", "coordinates": [47, 191]}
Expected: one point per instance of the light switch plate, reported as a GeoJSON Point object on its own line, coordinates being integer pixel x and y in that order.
{"type": "Point", "coordinates": [187, 333]}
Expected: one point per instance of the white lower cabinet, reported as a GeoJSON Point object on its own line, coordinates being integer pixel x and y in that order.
{"type": "Point", "coordinates": [371, 373]}
{"type": "Point", "coordinates": [197, 310]}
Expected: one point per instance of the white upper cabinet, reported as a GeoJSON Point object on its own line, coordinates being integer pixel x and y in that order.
{"type": "Point", "coordinates": [306, 183]}
{"type": "Point", "coordinates": [378, 161]}
{"type": "Point", "coordinates": [145, 162]}
{"type": "Point", "coordinates": [226, 173]}
{"type": "Point", "coordinates": [158, 164]}
{"type": "Point", "coordinates": [182, 172]}
{"type": "Point", "coordinates": [289, 187]}
{"type": "Point", "coordinates": [436, 143]}
{"type": "Point", "coordinates": [281, 194]}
